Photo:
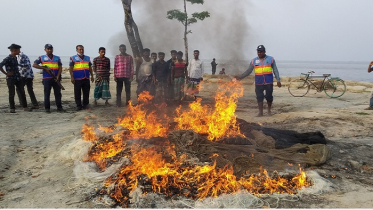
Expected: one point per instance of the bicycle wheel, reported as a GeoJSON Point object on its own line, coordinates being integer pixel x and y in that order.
{"type": "Point", "coordinates": [335, 88]}
{"type": "Point", "coordinates": [299, 88]}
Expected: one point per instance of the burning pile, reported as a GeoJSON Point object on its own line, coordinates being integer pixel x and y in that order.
{"type": "Point", "coordinates": [160, 166]}
{"type": "Point", "coordinates": [150, 171]}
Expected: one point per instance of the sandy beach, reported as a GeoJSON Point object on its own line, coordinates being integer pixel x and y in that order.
{"type": "Point", "coordinates": [41, 154]}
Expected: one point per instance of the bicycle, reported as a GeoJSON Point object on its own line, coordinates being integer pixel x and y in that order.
{"type": "Point", "coordinates": [333, 87]}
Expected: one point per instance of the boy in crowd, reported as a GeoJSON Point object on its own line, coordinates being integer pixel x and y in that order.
{"type": "Point", "coordinates": [101, 66]}
{"type": "Point", "coordinates": [144, 72]}
{"type": "Point", "coordinates": [154, 57]}
{"type": "Point", "coordinates": [169, 94]}
{"type": "Point", "coordinates": [160, 72]}
{"type": "Point", "coordinates": [178, 74]}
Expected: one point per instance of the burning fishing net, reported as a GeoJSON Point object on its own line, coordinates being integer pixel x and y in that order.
{"type": "Point", "coordinates": [162, 165]}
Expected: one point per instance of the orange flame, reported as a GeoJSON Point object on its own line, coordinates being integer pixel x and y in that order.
{"type": "Point", "coordinates": [197, 182]}
{"type": "Point", "coordinates": [218, 122]}
{"type": "Point", "coordinates": [141, 123]}
{"type": "Point", "coordinates": [88, 132]}
{"type": "Point", "coordinates": [103, 151]}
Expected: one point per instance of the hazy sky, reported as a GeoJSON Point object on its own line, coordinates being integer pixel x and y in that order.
{"type": "Point", "coordinates": [329, 30]}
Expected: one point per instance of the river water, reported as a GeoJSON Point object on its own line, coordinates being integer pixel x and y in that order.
{"type": "Point", "coordinates": [347, 70]}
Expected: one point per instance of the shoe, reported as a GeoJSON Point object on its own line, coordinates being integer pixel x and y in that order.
{"type": "Point", "coordinates": [60, 109]}
{"type": "Point", "coordinates": [12, 111]}
{"type": "Point", "coordinates": [48, 111]}
{"type": "Point", "coordinates": [78, 108]}
{"type": "Point", "coordinates": [35, 107]}
{"type": "Point", "coordinates": [369, 108]}
{"type": "Point", "coordinates": [86, 107]}
{"type": "Point", "coordinates": [95, 103]}
{"type": "Point", "coordinates": [27, 109]}
{"type": "Point", "coordinates": [107, 104]}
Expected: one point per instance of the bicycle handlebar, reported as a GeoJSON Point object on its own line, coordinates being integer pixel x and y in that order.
{"type": "Point", "coordinates": [311, 72]}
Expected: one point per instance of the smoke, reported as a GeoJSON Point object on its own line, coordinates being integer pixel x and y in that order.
{"type": "Point", "coordinates": [224, 36]}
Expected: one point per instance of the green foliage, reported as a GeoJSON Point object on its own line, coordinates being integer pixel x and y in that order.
{"type": "Point", "coordinates": [196, 1]}
{"type": "Point", "coordinates": [178, 15]}
{"type": "Point", "coordinates": [201, 15]}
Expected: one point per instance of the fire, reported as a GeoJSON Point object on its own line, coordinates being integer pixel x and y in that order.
{"type": "Point", "coordinates": [141, 123]}
{"type": "Point", "coordinates": [103, 151]}
{"type": "Point", "coordinates": [218, 122]}
{"type": "Point", "coordinates": [173, 177]}
{"type": "Point", "coordinates": [88, 132]}
{"type": "Point", "coordinates": [161, 169]}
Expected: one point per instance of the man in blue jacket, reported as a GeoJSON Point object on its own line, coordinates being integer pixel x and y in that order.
{"type": "Point", "coordinates": [264, 67]}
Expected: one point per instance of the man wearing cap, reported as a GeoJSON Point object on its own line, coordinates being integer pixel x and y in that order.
{"type": "Point", "coordinates": [52, 68]}
{"type": "Point", "coordinates": [80, 72]}
{"type": "Point", "coordinates": [13, 77]}
{"type": "Point", "coordinates": [264, 67]}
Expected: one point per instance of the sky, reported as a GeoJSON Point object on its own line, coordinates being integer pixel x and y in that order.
{"type": "Point", "coordinates": [291, 30]}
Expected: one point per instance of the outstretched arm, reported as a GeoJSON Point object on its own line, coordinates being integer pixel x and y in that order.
{"type": "Point", "coordinates": [247, 72]}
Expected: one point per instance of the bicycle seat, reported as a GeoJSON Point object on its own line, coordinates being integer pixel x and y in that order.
{"type": "Point", "coordinates": [326, 75]}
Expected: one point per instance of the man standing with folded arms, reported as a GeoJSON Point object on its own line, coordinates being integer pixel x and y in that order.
{"type": "Point", "coordinates": [80, 72]}
{"type": "Point", "coordinates": [50, 64]}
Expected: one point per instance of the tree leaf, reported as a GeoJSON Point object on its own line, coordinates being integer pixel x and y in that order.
{"type": "Point", "coordinates": [196, 1]}
{"type": "Point", "coordinates": [192, 20]}
{"type": "Point", "coordinates": [201, 15]}
{"type": "Point", "coordinates": [178, 15]}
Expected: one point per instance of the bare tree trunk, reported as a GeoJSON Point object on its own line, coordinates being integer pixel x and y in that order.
{"type": "Point", "coordinates": [131, 29]}
{"type": "Point", "coordinates": [185, 34]}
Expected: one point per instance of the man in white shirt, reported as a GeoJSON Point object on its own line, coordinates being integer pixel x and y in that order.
{"type": "Point", "coordinates": [195, 70]}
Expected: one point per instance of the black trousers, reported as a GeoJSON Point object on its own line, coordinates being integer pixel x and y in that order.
{"type": "Point", "coordinates": [213, 71]}
{"type": "Point", "coordinates": [127, 87]}
{"type": "Point", "coordinates": [79, 87]}
{"type": "Point", "coordinates": [48, 85]}
{"type": "Point", "coordinates": [12, 85]}
{"type": "Point", "coordinates": [29, 83]}
{"type": "Point", "coordinates": [259, 90]}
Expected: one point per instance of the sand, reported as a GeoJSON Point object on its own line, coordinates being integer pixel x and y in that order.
{"type": "Point", "coordinates": [41, 154]}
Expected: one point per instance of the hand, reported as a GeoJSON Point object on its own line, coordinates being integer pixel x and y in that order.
{"type": "Point", "coordinates": [371, 63]}
{"type": "Point", "coordinates": [201, 78]}
{"type": "Point", "coordinates": [115, 79]}
{"type": "Point", "coordinates": [9, 74]}
{"type": "Point", "coordinates": [279, 84]}
{"type": "Point", "coordinates": [57, 78]}
{"type": "Point", "coordinates": [72, 80]}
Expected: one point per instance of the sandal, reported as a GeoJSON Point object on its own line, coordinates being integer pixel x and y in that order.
{"type": "Point", "coordinates": [369, 108]}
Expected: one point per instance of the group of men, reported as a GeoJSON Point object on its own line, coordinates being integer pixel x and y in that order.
{"type": "Point", "coordinates": [163, 79]}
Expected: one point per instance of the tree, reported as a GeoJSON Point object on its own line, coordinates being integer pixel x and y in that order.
{"type": "Point", "coordinates": [131, 29]}
{"type": "Point", "coordinates": [186, 20]}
